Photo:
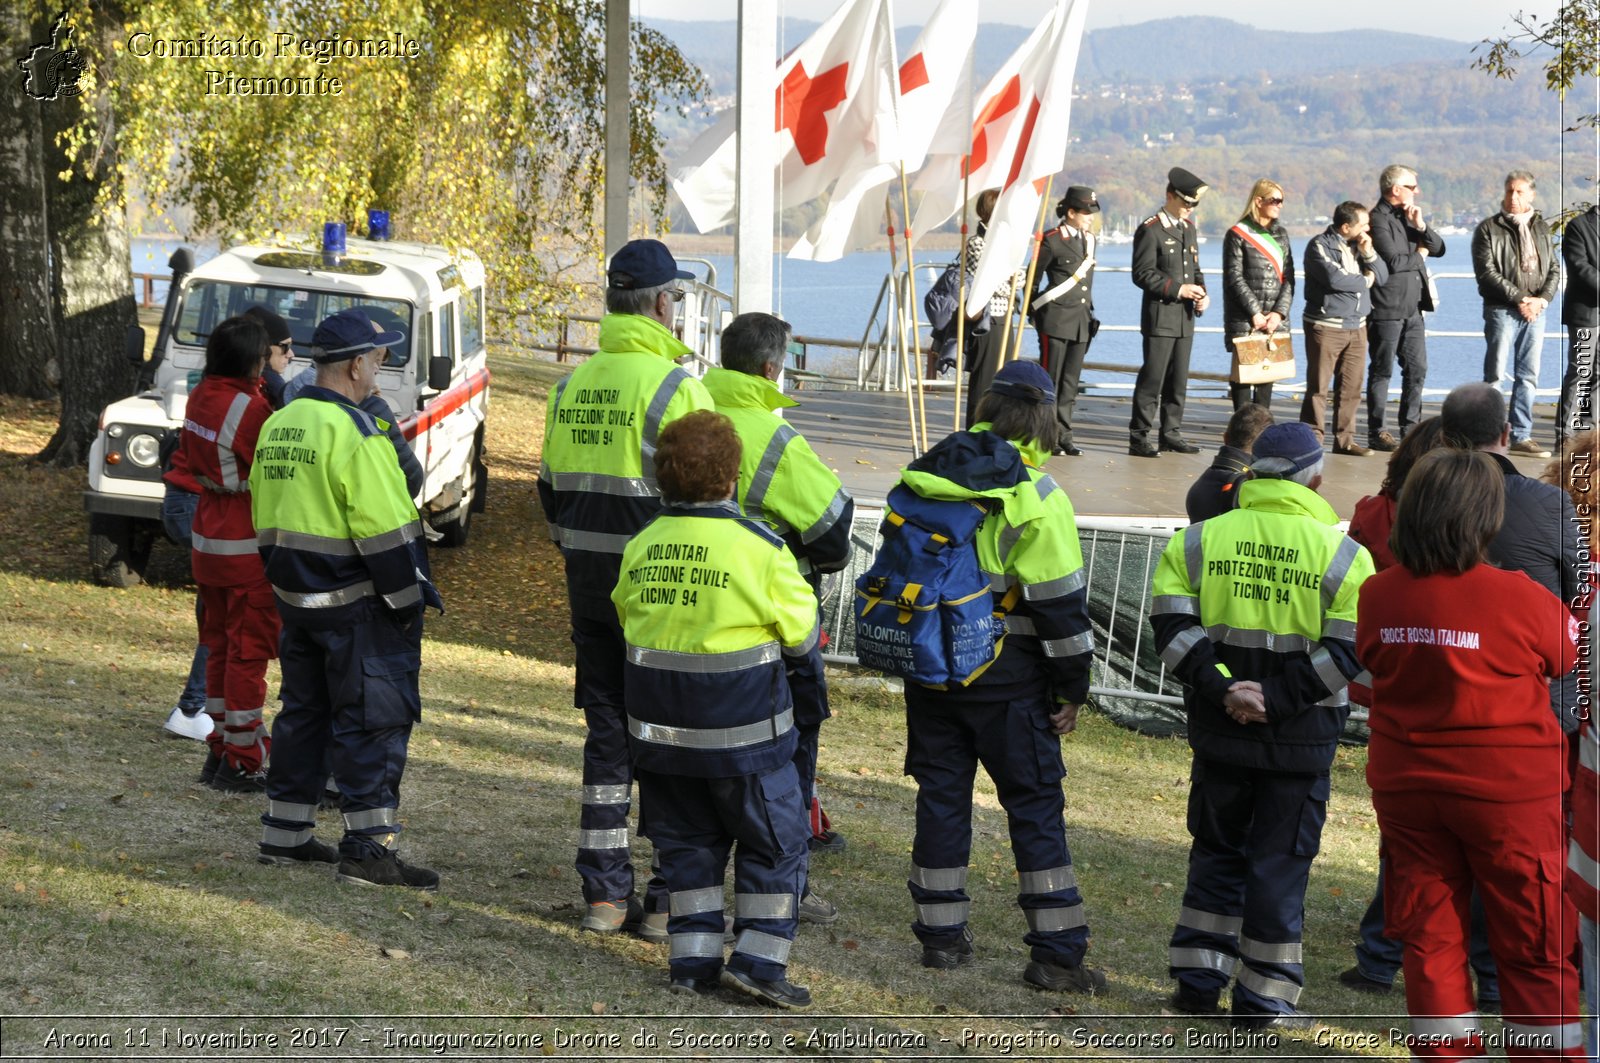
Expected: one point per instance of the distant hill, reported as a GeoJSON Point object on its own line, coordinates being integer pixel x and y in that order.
{"type": "Point", "coordinates": [1166, 50]}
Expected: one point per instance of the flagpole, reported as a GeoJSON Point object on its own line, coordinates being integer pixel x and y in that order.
{"type": "Point", "coordinates": [961, 289]}
{"type": "Point", "coordinates": [1033, 259]}
{"type": "Point", "coordinates": [911, 286]}
{"type": "Point", "coordinates": [900, 330]}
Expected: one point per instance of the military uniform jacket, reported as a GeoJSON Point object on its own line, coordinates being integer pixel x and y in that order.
{"type": "Point", "coordinates": [1166, 255]}
{"type": "Point", "coordinates": [710, 604]}
{"type": "Point", "coordinates": [1067, 316]}
{"type": "Point", "coordinates": [1266, 592]}
{"type": "Point", "coordinates": [781, 479]}
{"type": "Point", "coordinates": [597, 480]}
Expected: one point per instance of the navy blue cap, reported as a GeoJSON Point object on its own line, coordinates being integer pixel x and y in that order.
{"type": "Point", "coordinates": [1292, 441]}
{"type": "Point", "coordinates": [277, 328]}
{"type": "Point", "coordinates": [347, 334]}
{"type": "Point", "coordinates": [1024, 380]}
{"type": "Point", "coordinates": [643, 264]}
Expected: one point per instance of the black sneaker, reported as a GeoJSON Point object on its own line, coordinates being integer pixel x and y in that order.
{"type": "Point", "coordinates": [232, 780]}
{"type": "Point", "coordinates": [1355, 979]}
{"type": "Point", "coordinates": [829, 841]}
{"type": "Point", "coordinates": [780, 993]}
{"type": "Point", "coordinates": [1061, 979]}
{"type": "Point", "coordinates": [208, 770]}
{"type": "Point", "coordinates": [949, 957]}
{"type": "Point", "coordinates": [387, 870]}
{"type": "Point", "coordinates": [309, 851]}
{"type": "Point", "coordinates": [693, 987]}
{"type": "Point", "coordinates": [1193, 1002]}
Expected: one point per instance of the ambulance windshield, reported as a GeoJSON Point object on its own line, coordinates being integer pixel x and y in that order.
{"type": "Point", "coordinates": [208, 303]}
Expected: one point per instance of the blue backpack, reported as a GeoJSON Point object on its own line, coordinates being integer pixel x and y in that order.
{"type": "Point", "coordinates": [924, 611]}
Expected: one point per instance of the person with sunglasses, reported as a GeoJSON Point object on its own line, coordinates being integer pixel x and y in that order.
{"type": "Point", "coordinates": [280, 352]}
{"type": "Point", "coordinates": [1257, 279]}
{"type": "Point", "coordinates": [1404, 241]}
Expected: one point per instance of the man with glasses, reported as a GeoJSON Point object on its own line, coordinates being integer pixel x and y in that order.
{"type": "Point", "coordinates": [1395, 329]}
{"type": "Point", "coordinates": [597, 487]}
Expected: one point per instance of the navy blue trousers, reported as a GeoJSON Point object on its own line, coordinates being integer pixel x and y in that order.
{"type": "Point", "coordinates": [1255, 834]}
{"type": "Point", "coordinates": [946, 741]}
{"type": "Point", "coordinates": [695, 823]}
{"type": "Point", "coordinates": [350, 697]}
{"type": "Point", "coordinates": [604, 862]}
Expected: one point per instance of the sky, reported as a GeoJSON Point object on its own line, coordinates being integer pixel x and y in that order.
{"type": "Point", "coordinates": [1467, 20]}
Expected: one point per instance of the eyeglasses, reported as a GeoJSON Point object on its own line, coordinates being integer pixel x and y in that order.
{"type": "Point", "coordinates": [1409, 188]}
{"type": "Point", "coordinates": [1273, 201]}
{"type": "Point", "coordinates": [675, 294]}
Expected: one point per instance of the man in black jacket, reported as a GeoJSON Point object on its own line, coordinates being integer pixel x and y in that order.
{"type": "Point", "coordinates": [1405, 243]}
{"type": "Point", "coordinates": [1063, 308]}
{"type": "Point", "coordinates": [1217, 489]}
{"type": "Point", "coordinates": [1514, 260]}
{"type": "Point", "coordinates": [1580, 312]}
{"type": "Point", "coordinates": [1166, 266]}
{"type": "Point", "coordinates": [1540, 534]}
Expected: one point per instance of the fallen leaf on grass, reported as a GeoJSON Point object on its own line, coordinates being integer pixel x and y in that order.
{"type": "Point", "coordinates": [598, 1008]}
{"type": "Point", "coordinates": [394, 954]}
{"type": "Point", "coordinates": [850, 945]}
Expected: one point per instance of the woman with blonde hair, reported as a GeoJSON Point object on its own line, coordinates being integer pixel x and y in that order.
{"type": "Point", "coordinates": [1257, 279]}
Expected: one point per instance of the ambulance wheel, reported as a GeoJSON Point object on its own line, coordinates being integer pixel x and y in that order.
{"type": "Point", "coordinates": [455, 531]}
{"type": "Point", "coordinates": [119, 549]}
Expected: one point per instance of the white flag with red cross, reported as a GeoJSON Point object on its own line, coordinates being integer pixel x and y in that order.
{"type": "Point", "coordinates": [833, 117]}
{"type": "Point", "coordinates": [935, 95]}
{"type": "Point", "coordinates": [1044, 111]}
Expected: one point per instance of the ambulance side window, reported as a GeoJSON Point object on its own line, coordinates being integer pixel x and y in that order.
{"type": "Point", "coordinates": [472, 322]}
{"type": "Point", "coordinates": [423, 345]}
{"type": "Point", "coordinates": [447, 331]}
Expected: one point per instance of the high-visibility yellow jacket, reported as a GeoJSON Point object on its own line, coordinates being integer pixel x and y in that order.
{"type": "Point", "coordinates": [337, 528]}
{"type": "Point", "coordinates": [781, 479]}
{"type": "Point", "coordinates": [1265, 592]}
{"type": "Point", "coordinates": [597, 482]}
{"type": "Point", "coordinates": [710, 603]}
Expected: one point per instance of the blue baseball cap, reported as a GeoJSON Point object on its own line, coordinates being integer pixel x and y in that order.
{"type": "Point", "coordinates": [1292, 441]}
{"type": "Point", "coordinates": [347, 334]}
{"type": "Point", "coordinates": [1026, 381]}
{"type": "Point", "coordinates": [643, 264]}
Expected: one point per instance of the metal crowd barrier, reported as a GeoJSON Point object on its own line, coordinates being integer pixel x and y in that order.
{"type": "Point", "coordinates": [1128, 682]}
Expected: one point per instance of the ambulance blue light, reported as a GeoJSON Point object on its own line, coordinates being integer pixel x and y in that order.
{"type": "Point", "coordinates": [333, 243]}
{"type": "Point", "coordinates": [377, 224]}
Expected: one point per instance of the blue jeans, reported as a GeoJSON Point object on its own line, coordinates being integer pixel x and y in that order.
{"type": "Point", "coordinates": [1507, 334]}
{"type": "Point", "coordinates": [1589, 934]}
{"type": "Point", "coordinates": [1378, 957]}
{"type": "Point", "coordinates": [177, 516]}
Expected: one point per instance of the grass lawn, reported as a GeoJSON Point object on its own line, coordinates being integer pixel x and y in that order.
{"type": "Point", "coordinates": [126, 889]}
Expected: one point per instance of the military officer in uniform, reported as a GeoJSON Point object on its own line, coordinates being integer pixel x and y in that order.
{"type": "Point", "coordinates": [1255, 611]}
{"type": "Point", "coordinates": [1063, 309]}
{"type": "Point", "coordinates": [1166, 267]}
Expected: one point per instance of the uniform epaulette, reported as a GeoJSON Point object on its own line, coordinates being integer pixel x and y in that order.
{"type": "Point", "coordinates": [761, 529]}
{"type": "Point", "coordinates": [1152, 219]}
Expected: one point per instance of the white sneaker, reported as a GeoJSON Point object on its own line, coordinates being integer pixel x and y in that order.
{"type": "Point", "coordinates": [197, 726]}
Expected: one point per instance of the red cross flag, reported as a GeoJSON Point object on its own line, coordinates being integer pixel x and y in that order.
{"type": "Point", "coordinates": [935, 96]}
{"type": "Point", "coordinates": [1037, 150]}
{"type": "Point", "coordinates": [834, 120]}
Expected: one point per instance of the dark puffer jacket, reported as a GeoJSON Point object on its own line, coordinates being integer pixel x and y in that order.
{"type": "Point", "coordinates": [1250, 285]}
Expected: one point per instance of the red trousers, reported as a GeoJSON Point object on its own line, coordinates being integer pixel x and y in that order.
{"type": "Point", "coordinates": [1436, 846]}
{"type": "Point", "coordinates": [239, 626]}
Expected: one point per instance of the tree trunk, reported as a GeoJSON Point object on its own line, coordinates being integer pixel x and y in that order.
{"type": "Point", "coordinates": [27, 338]}
{"type": "Point", "coordinates": [92, 279]}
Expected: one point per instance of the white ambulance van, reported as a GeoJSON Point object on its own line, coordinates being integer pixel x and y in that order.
{"type": "Point", "coordinates": [437, 381]}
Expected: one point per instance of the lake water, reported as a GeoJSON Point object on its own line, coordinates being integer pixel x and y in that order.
{"type": "Point", "coordinates": [834, 299]}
